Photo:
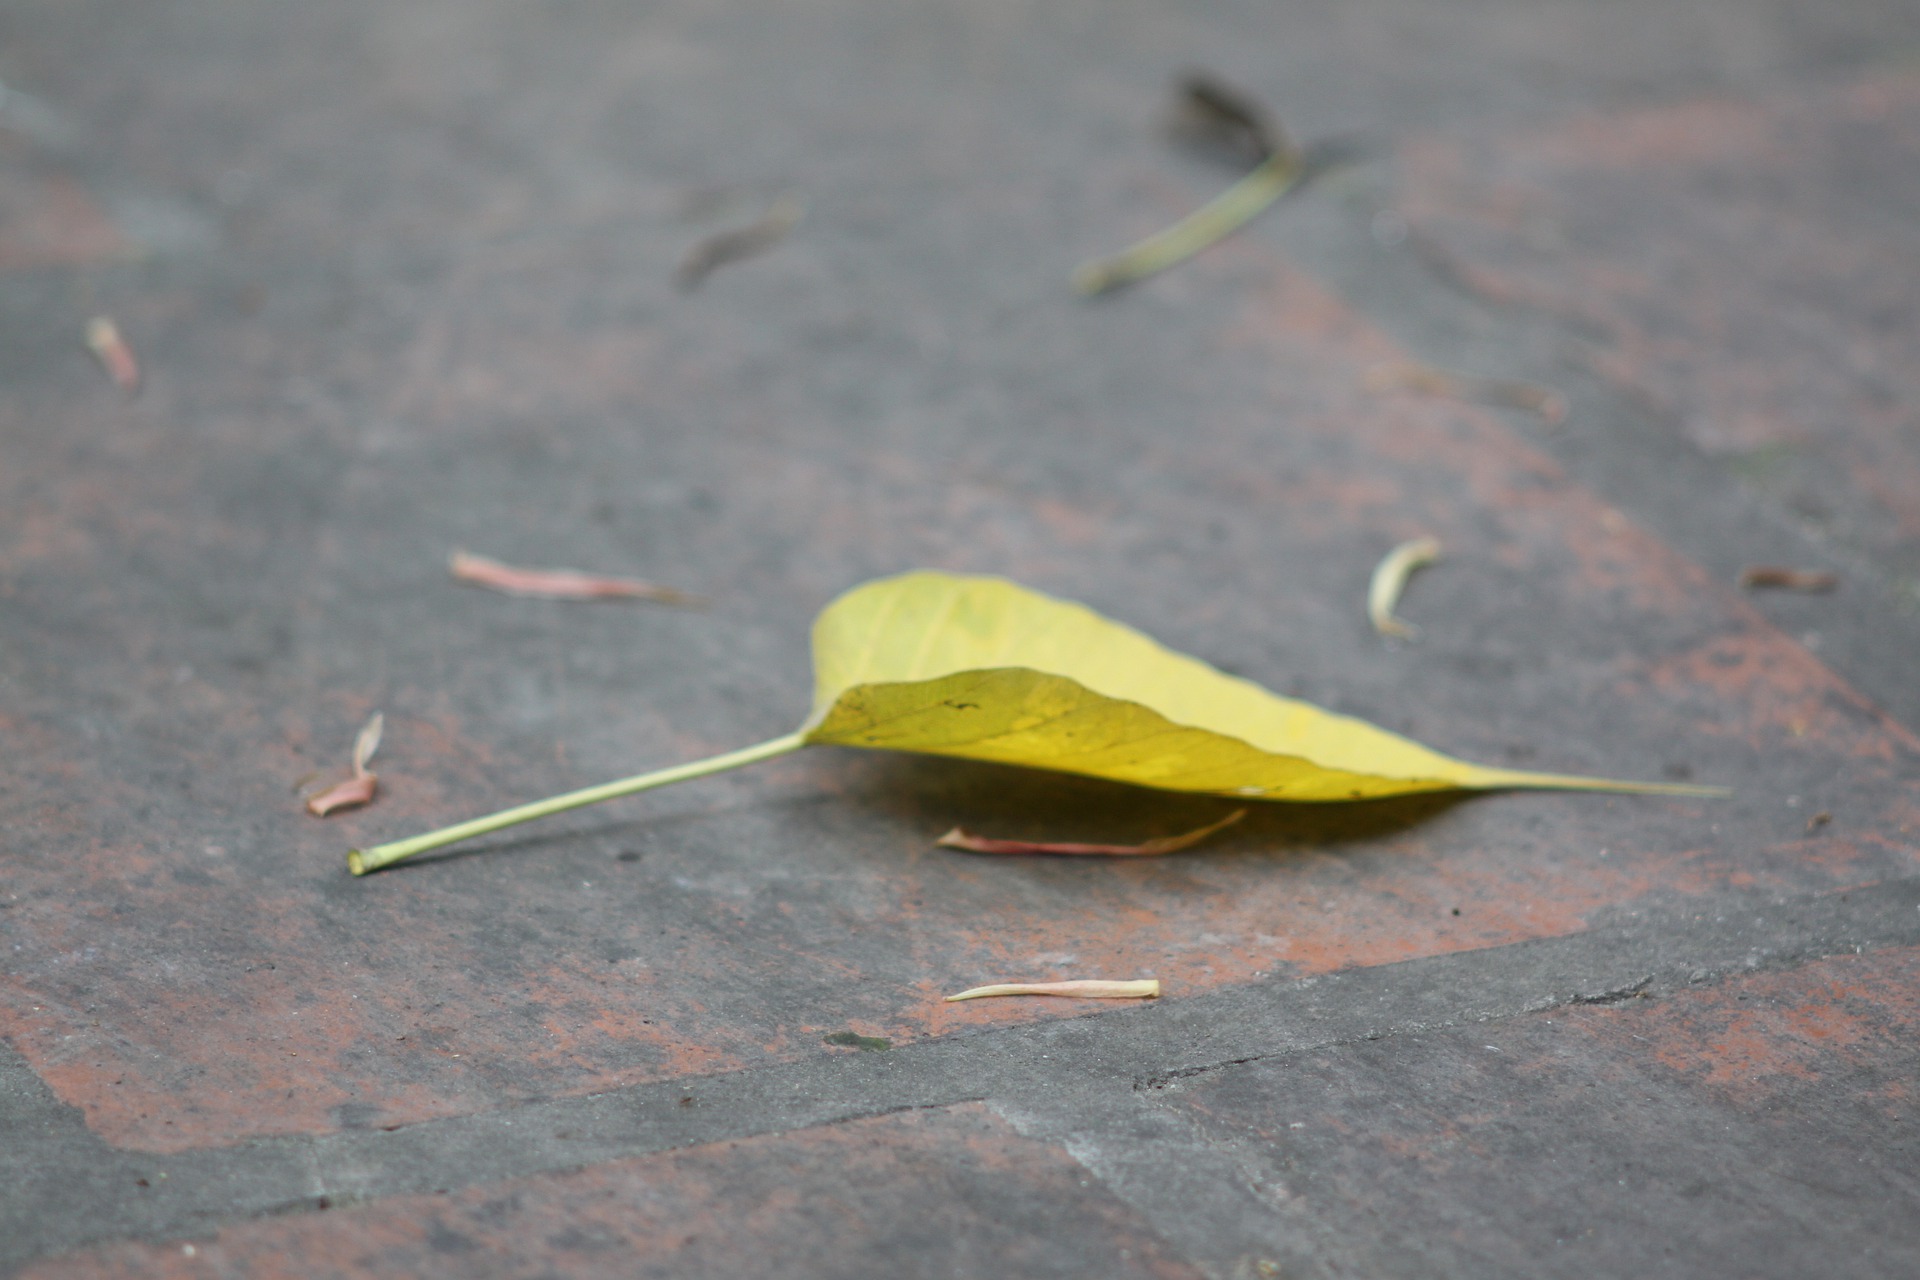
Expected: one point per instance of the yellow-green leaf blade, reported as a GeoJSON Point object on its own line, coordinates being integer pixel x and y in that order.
{"type": "Point", "coordinates": [983, 669]}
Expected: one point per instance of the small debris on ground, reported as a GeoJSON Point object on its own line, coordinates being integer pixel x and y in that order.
{"type": "Point", "coordinates": [961, 838]}
{"type": "Point", "coordinates": [1500, 393]}
{"type": "Point", "coordinates": [1390, 579]}
{"type": "Point", "coordinates": [1818, 821]}
{"type": "Point", "coordinates": [1208, 106]}
{"type": "Point", "coordinates": [361, 787]}
{"type": "Point", "coordinates": [1210, 112]}
{"type": "Point", "coordinates": [113, 353]}
{"type": "Point", "coordinates": [557, 584]}
{"type": "Point", "coordinates": [854, 1040]}
{"type": "Point", "coordinates": [716, 251]}
{"type": "Point", "coordinates": [1082, 988]}
{"type": "Point", "coordinates": [1769, 575]}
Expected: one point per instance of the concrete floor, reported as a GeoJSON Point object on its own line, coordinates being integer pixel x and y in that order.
{"type": "Point", "coordinates": [400, 280]}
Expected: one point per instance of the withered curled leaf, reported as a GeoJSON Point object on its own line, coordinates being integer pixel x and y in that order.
{"type": "Point", "coordinates": [961, 838]}
{"type": "Point", "coordinates": [361, 786]}
{"type": "Point", "coordinates": [1390, 579]}
{"type": "Point", "coordinates": [113, 353]}
{"type": "Point", "coordinates": [1779, 576]}
{"type": "Point", "coordinates": [556, 584]}
{"type": "Point", "coordinates": [1082, 988]}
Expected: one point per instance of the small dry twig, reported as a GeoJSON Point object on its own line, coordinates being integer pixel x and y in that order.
{"type": "Point", "coordinates": [1423, 379]}
{"type": "Point", "coordinates": [1083, 988]}
{"type": "Point", "coordinates": [557, 584]}
{"type": "Point", "coordinates": [961, 838]}
{"type": "Point", "coordinates": [1770, 575]}
{"type": "Point", "coordinates": [113, 353]}
{"type": "Point", "coordinates": [1390, 579]}
{"type": "Point", "coordinates": [716, 251]}
{"type": "Point", "coordinates": [360, 788]}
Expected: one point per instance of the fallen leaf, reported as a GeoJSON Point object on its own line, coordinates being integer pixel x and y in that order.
{"type": "Point", "coordinates": [349, 794]}
{"type": "Point", "coordinates": [1083, 988]}
{"type": "Point", "coordinates": [854, 1040]}
{"type": "Point", "coordinates": [1423, 379]}
{"type": "Point", "coordinates": [716, 251]}
{"type": "Point", "coordinates": [1280, 167]}
{"type": "Point", "coordinates": [1390, 579]}
{"type": "Point", "coordinates": [113, 353]}
{"type": "Point", "coordinates": [557, 584]}
{"type": "Point", "coordinates": [1767, 575]}
{"type": "Point", "coordinates": [360, 788]}
{"type": "Point", "coordinates": [1212, 112]}
{"type": "Point", "coordinates": [983, 669]}
{"type": "Point", "coordinates": [961, 838]}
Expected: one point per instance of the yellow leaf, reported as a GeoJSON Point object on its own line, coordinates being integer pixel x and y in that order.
{"type": "Point", "coordinates": [987, 670]}
{"type": "Point", "coordinates": [983, 669]}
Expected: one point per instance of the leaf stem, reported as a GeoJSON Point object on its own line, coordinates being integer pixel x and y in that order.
{"type": "Point", "coordinates": [360, 862]}
{"type": "Point", "coordinates": [1487, 779]}
{"type": "Point", "coordinates": [1212, 221]}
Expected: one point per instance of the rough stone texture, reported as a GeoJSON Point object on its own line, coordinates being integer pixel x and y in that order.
{"type": "Point", "coordinates": [1744, 267]}
{"type": "Point", "coordinates": [400, 279]}
{"type": "Point", "coordinates": [952, 1193]}
{"type": "Point", "coordinates": [1771, 1116]}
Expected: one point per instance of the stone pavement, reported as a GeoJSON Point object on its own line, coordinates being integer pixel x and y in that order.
{"type": "Point", "coordinates": [400, 281]}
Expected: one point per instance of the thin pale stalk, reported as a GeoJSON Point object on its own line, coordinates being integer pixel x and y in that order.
{"type": "Point", "coordinates": [1517, 780]}
{"type": "Point", "coordinates": [1083, 988]}
{"type": "Point", "coordinates": [360, 862]}
{"type": "Point", "coordinates": [1212, 221]}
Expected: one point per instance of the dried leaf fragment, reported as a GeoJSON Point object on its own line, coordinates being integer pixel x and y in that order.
{"type": "Point", "coordinates": [113, 353]}
{"type": "Point", "coordinates": [1211, 111]}
{"type": "Point", "coordinates": [557, 584]}
{"type": "Point", "coordinates": [1390, 579]}
{"type": "Point", "coordinates": [362, 786]}
{"type": "Point", "coordinates": [1281, 165]}
{"type": "Point", "coordinates": [758, 236]}
{"type": "Point", "coordinates": [1769, 575]}
{"type": "Point", "coordinates": [1082, 988]}
{"type": "Point", "coordinates": [854, 1040]}
{"type": "Point", "coordinates": [1501, 393]}
{"type": "Point", "coordinates": [961, 838]}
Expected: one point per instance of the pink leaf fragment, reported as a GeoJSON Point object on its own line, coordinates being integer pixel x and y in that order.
{"type": "Point", "coordinates": [961, 838]}
{"type": "Point", "coordinates": [112, 351]}
{"type": "Point", "coordinates": [1083, 988]}
{"type": "Point", "coordinates": [361, 787]}
{"type": "Point", "coordinates": [355, 791]}
{"type": "Point", "coordinates": [557, 584]}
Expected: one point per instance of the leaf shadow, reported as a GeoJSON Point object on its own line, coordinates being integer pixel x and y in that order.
{"type": "Point", "coordinates": [932, 794]}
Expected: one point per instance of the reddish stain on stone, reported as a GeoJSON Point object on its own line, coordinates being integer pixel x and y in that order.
{"type": "Point", "coordinates": [1721, 258]}
{"type": "Point", "coordinates": [49, 220]}
{"type": "Point", "coordinates": [182, 998]}
{"type": "Point", "coordinates": [1755, 1036]}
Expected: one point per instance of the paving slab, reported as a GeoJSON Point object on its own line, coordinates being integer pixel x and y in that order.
{"type": "Point", "coordinates": [923, 1193]}
{"type": "Point", "coordinates": [401, 281]}
{"type": "Point", "coordinates": [1577, 1139]}
{"type": "Point", "coordinates": [1743, 266]}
